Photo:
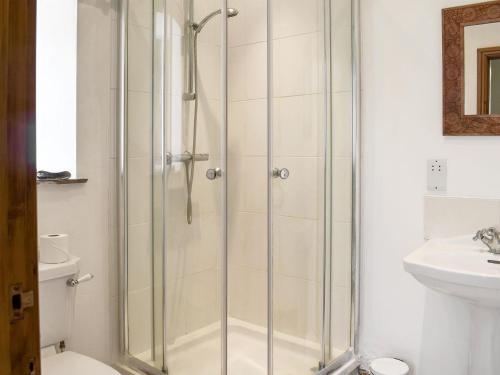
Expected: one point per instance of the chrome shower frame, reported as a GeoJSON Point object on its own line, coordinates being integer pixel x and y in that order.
{"type": "Point", "coordinates": [344, 364]}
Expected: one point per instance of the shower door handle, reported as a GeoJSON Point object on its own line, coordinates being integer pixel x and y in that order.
{"type": "Point", "coordinates": [214, 173]}
{"type": "Point", "coordinates": [282, 173]}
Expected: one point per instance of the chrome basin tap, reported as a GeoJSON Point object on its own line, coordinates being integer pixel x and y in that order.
{"type": "Point", "coordinates": [490, 237]}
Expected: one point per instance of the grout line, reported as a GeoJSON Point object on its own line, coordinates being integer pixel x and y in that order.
{"type": "Point", "coordinates": [278, 96]}
{"type": "Point", "coordinates": [245, 44]}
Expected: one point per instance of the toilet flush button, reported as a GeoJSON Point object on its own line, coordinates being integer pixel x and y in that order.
{"type": "Point", "coordinates": [389, 366]}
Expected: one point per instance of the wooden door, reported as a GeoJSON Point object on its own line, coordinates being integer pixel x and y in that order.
{"type": "Point", "coordinates": [19, 327]}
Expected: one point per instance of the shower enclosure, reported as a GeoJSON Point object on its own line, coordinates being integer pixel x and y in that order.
{"type": "Point", "coordinates": [238, 199]}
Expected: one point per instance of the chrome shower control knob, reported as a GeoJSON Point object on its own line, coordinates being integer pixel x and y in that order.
{"type": "Point", "coordinates": [282, 173]}
{"type": "Point", "coordinates": [214, 173]}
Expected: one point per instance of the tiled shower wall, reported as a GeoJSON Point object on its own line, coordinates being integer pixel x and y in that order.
{"type": "Point", "coordinates": [247, 162]}
{"type": "Point", "coordinates": [298, 145]}
{"type": "Point", "coordinates": [298, 135]}
{"type": "Point", "coordinates": [193, 250]}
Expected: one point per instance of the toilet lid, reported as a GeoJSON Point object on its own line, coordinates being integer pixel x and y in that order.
{"type": "Point", "coordinates": [74, 364]}
{"type": "Point", "coordinates": [389, 366]}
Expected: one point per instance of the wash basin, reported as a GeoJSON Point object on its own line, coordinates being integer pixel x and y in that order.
{"type": "Point", "coordinates": [465, 269]}
{"type": "Point", "coordinates": [458, 266]}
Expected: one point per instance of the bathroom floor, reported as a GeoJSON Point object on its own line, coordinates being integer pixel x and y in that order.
{"type": "Point", "coordinates": [247, 354]}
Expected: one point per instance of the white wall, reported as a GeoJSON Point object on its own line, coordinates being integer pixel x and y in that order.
{"type": "Point", "coordinates": [87, 211]}
{"type": "Point", "coordinates": [401, 115]}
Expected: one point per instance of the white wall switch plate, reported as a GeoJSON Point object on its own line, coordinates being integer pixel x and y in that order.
{"type": "Point", "coordinates": [437, 173]}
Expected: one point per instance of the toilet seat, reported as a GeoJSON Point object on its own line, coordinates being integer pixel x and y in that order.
{"type": "Point", "coordinates": [75, 364]}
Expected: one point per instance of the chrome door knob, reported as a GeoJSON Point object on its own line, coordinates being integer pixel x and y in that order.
{"type": "Point", "coordinates": [214, 173]}
{"type": "Point", "coordinates": [282, 173]}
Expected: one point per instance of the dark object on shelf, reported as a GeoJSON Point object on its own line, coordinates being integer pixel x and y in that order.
{"type": "Point", "coordinates": [44, 175]}
{"type": "Point", "coordinates": [59, 178]}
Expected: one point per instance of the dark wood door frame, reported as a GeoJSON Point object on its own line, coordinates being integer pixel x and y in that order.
{"type": "Point", "coordinates": [19, 329]}
{"type": "Point", "coordinates": [484, 56]}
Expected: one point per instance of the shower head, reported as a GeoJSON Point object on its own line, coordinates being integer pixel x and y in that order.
{"type": "Point", "coordinates": [231, 12]}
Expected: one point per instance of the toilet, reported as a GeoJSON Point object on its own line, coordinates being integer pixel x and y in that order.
{"type": "Point", "coordinates": [57, 302]}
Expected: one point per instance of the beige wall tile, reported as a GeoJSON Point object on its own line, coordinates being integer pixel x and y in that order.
{"type": "Point", "coordinates": [140, 13]}
{"type": "Point", "coordinates": [341, 318]}
{"type": "Point", "coordinates": [293, 17]}
{"type": "Point", "coordinates": [342, 124]}
{"type": "Point", "coordinates": [209, 78]}
{"type": "Point", "coordinates": [255, 183]}
{"type": "Point", "coordinates": [298, 127]}
{"type": "Point", "coordinates": [255, 129]}
{"type": "Point", "coordinates": [140, 320]}
{"type": "Point", "coordinates": [440, 215]}
{"type": "Point", "coordinates": [140, 124]}
{"type": "Point", "coordinates": [297, 247]}
{"type": "Point", "coordinates": [248, 240]}
{"type": "Point", "coordinates": [237, 73]}
{"type": "Point", "coordinates": [342, 254]}
{"type": "Point", "coordinates": [250, 26]}
{"type": "Point", "coordinates": [293, 197]}
{"type": "Point", "coordinates": [250, 306]}
{"type": "Point", "coordinates": [342, 177]}
{"type": "Point", "coordinates": [140, 53]}
{"type": "Point", "coordinates": [296, 307]}
{"type": "Point", "coordinates": [201, 299]}
{"type": "Point", "coordinates": [140, 256]}
{"type": "Point", "coordinates": [296, 65]}
{"type": "Point", "coordinates": [139, 191]}
{"type": "Point", "coordinates": [256, 70]}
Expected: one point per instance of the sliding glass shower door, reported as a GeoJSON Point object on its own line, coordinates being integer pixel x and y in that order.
{"type": "Point", "coordinates": [236, 155]}
{"type": "Point", "coordinates": [174, 158]}
{"type": "Point", "coordinates": [191, 183]}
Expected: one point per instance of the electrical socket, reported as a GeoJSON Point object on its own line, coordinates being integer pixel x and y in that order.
{"type": "Point", "coordinates": [437, 173]}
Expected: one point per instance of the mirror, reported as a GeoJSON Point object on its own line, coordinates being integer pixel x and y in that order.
{"type": "Point", "coordinates": [471, 69]}
{"type": "Point", "coordinates": [482, 69]}
{"type": "Point", "coordinates": [56, 45]}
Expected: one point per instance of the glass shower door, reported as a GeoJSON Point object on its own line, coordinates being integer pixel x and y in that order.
{"type": "Point", "coordinates": [174, 157]}
{"type": "Point", "coordinates": [238, 157]}
{"type": "Point", "coordinates": [310, 183]}
{"type": "Point", "coordinates": [192, 183]}
{"type": "Point", "coordinates": [299, 187]}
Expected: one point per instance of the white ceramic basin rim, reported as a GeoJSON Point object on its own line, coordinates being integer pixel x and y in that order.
{"type": "Point", "coordinates": [458, 266]}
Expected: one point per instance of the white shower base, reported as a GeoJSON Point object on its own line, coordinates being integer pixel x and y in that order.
{"type": "Point", "coordinates": [199, 352]}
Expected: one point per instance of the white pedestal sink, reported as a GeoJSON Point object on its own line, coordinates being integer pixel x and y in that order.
{"type": "Point", "coordinates": [465, 269]}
